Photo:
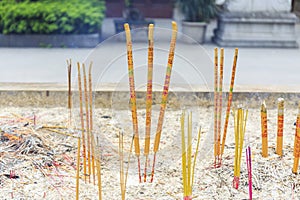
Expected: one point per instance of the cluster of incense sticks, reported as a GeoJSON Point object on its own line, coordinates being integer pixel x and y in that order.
{"type": "Point", "coordinates": [280, 122]}
{"type": "Point", "coordinates": [240, 119]}
{"type": "Point", "coordinates": [297, 144]}
{"type": "Point", "coordinates": [249, 169]}
{"type": "Point", "coordinates": [218, 103]}
{"type": "Point", "coordinates": [149, 96]}
{"type": "Point", "coordinates": [164, 97]}
{"type": "Point", "coordinates": [188, 167]}
{"type": "Point", "coordinates": [264, 130]}
{"type": "Point", "coordinates": [91, 157]}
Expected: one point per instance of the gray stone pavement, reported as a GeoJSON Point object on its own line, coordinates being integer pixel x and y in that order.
{"type": "Point", "coordinates": [258, 69]}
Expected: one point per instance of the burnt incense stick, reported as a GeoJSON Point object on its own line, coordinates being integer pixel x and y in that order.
{"type": "Point", "coordinates": [280, 122]}
{"type": "Point", "coordinates": [87, 119]}
{"type": "Point", "coordinates": [264, 130]}
{"type": "Point", "coordinates": [216, 96]}
{"type": "Point", "coordinates": [297, 144]}
{"type": "Point", "coordinates": [164, 97]}
{"type": "Point", "coordinates": [149, 98]}
{"type": "Point", "coordinates": [133, 97]}
{"type": "Point", "coordinates": [91, 122]}
{"type": "Point", "coordinates": [229, 101]}
{"type": "Point", "coordinates": [82, 120]}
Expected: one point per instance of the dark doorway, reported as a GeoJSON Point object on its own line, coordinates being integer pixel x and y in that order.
{"type": "Point", "coordinates": [149, 8]}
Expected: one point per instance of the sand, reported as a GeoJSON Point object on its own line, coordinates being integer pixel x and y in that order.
{"type": "Point", "coordinates": [41, 164]}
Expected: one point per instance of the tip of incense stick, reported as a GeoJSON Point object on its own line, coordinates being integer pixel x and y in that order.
{"type": "Point", "coordinates": [174, 25]}
{"type": "Point", "coordinates": [280, 99]}
{"type": "Point", "coordinates": [150, 32]}
{"type": "Point", "coordinates": [263, 105]}
{"type": "Point", "coordinates": [236, 181]}
{"type": "Point", "coordinates": [126, 27]}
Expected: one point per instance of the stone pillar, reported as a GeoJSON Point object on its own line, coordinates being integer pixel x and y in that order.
{"type": "Point", "coordinates": [256, 23]}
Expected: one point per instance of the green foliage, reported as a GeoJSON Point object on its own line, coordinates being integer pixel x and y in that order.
{"type": "Point", "coordinates": [51, 16]}
{"type": "Point", "coordinates": [197, 10]}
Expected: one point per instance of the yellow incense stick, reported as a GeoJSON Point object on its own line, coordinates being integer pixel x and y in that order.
{"type": "Point", "coordinates": [188, 168]}
{"type": "Point", "coordinates": [264, 130]}
{"type": "Point", "coordinates": [78, 169]}
{"type": "Point", "coordinates": [87, 119]}
{"type": "Point", "coordinates": [91, 122]}
{"type": "Point", "coordinates": [133, 96]}
{"type": "Point", "coordinates": [229, 101]}
{"type": "Point", "coordinates": [164, 97]}
{"type": "Point", "coordinates": [98, 165]}
{"type": "Point", "coordinates": [196, 154]}
{"type": "Point", "coordinates": [280, 121]}
{"type": "Point", "coordinates": [149, 98]}
{"type": "Point", "coordinates": [183, 157]}
{"type": "Point", "coordinates": [121, 155]}
{"type": "Point", "coordinates": [216, 103]}
{"type": "Point", "coordinates": [82, 121]}
{"type": "Point", "coordinates": [189, 153]}
{"type": "Point", "coordinates": [240, 119]}
{"type": "Point", "coordinates": [236, 141]}
{"type": "Point", "coordinates": [297, 144]}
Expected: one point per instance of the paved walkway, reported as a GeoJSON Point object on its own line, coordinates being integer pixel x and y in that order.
{"type": "Point", "coordinates": [259, 69]}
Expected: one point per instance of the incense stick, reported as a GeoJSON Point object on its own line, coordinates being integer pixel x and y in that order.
{"type": "Point", "coordinates": [297, 144]}
{"type": "Point", "coordinates": [264, 130]}
{"type": "Point", "coordinates": [149, 98]}
{"type": "Point", "coordinates": [183, 160]}
{"type": "Point", "coordinates": [82, 121]}
{"type": "Point", "coordinates": [188, 167]}
{"type": "Point", "coordinates": [220, 99]}
{"type": "Point", "coordinates": [229, 101]}
{"type": "Point", "coordinates": [196, 154]}
{"type": "Point", "coordinates": [189, 154]}
{"type": "Point", "coordinates": [91, 122]}
{"type": "Point", "coordinates": [78, 169]}
{"type": "Point", "coordinates": [98, 165]}
{"type": "Point", "coordinates": [121, 155]}
{"type": "Point", "coordinates": [249, 169]}
{"type": "Point", "coordinates": [164, 97]}
{"type": "Point", "coordinates": [240, 128]}
{"type": "Point", "coordinates": [280, 121]}
{"type": "Point", "coordinates": [216, 96]}
{"type": "Point", "coordinates": [133, 97]}
{"type": "Point", "coordinates": [87, 119]}
{"type": "Point", "coordinates": [69, 63]}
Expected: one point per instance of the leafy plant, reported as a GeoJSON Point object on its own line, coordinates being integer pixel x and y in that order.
{"type": "Point", "coordinates": [51, 16]}
{"type": "Point", "coordinates": [197, 10]}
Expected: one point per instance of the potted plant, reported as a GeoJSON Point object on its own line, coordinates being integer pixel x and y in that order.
{"type": "Point", "coordinates": [196, 15]}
